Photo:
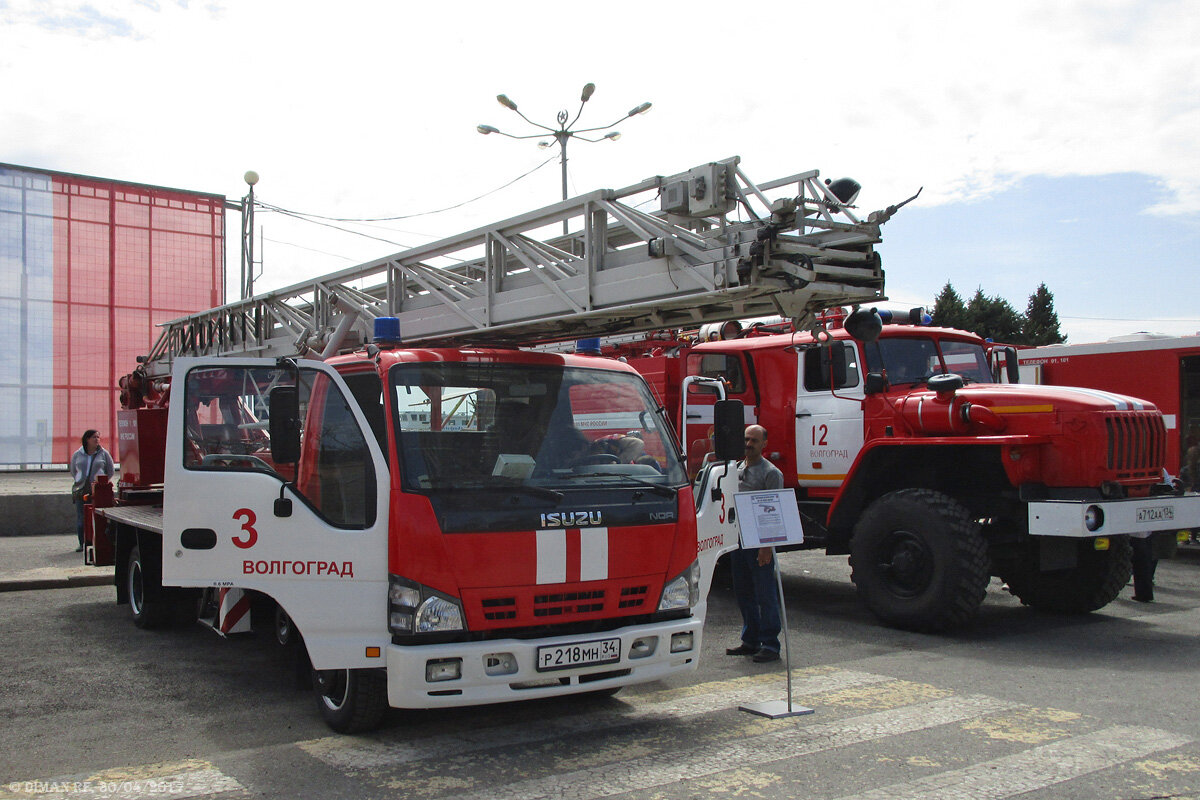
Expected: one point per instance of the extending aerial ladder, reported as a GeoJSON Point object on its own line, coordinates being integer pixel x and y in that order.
{"type": "Point", "coordinates": [624, 270]}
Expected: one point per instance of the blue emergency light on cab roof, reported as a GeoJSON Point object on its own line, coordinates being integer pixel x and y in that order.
{"type": "Point", "coordinates": [915, 316]}
{"type": "Point", "coordinates": [387, 330]}
{"type": "Point", "coordinates": [588, 347]}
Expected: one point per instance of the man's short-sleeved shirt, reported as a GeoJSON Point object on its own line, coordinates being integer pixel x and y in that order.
{"type": "Point", "coordinates": [763, 475]}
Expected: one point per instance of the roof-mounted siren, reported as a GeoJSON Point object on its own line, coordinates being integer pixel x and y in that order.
{"type": "Point", "coordinates": [844, 189]}
{"type": "Point", "coordinates": [720, 331]}
{"type": "Point", "coordinates": [387, 331]}
{"type": "Point", "coordinates": [914, 316]}
{"type": "Point", "coordinates": [864, 324]}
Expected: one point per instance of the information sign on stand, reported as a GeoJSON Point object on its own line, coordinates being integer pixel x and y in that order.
{"type": "Point", "coordinates": [770, 518]}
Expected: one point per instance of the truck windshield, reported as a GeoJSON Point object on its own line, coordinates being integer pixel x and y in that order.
{"type": "Point", "coordinates": [916, 359]}
{"type": "Point", "coordinates": [502, 426]}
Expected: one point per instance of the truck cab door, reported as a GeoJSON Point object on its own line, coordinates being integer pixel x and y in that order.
{"type": "Point", "coordinates": [321, 552]}
{"type": "Point", "coordinates": [829, 417]}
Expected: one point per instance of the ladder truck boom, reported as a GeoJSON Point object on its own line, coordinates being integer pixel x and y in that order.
{"type": "Point", "coordinates": [625, 270]}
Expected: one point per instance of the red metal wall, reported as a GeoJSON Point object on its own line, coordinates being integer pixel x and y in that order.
{"type": "Point", "coordinates": [125, 257]}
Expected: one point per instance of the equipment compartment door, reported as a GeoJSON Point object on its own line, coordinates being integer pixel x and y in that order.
{"type": "Point", "coordinates": [829, 419]}
{"type": "Point", "coordinates": [321, 550]}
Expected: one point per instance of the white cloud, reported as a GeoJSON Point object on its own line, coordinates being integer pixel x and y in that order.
{"type": "Point", "coordinates": [369, 109]}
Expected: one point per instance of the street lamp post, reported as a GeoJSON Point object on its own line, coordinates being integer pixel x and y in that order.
{"type": "Point", "coordinates": [247, 287]}
{"type": "Point", "coordinates": [564, 132]}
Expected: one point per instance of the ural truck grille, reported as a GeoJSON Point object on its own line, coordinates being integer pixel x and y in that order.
{"type": "Point", "coordinates": [1137, 444]}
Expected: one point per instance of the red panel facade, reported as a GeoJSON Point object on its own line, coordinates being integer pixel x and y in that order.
{"type": "Point", "coordinates": [124, 256]}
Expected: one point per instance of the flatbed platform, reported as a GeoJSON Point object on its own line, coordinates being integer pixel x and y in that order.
{"type": "Point", "coordinates": [148, 518]}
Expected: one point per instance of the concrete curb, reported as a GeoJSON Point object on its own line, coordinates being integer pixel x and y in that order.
{"type": "Point", "coordinates": [35, 580]}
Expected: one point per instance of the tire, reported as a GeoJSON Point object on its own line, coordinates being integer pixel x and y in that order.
{"type": "Point", "coordinates": [919, 561]}
{"type": "Point", "coordinates": [285, 629]}
{"type": "Point", "coordinates": [351, 700]}
{"type": "Point", "coordinates": [1093, 583]}
{"type": "Point", "coordinates": [142, 579]}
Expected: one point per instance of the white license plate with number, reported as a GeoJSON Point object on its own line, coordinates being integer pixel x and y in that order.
{"type": "Point", "coordinates": [1156, 514]}
{"type": "Point", "coordinates": [579, 654]}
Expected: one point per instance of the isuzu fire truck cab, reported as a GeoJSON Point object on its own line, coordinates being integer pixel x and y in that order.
{"type": "Point", "coordinates": [445, 498]}
{"type": "Point", "coordinates": [905, 454]}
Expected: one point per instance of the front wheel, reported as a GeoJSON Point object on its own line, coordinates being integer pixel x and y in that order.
{"type": "Point", "coordinates": [1095, 581]}
{"type": "Point", "coordinates": [351, 700]}
{"type": "Point", "coordinates": [919, 561]}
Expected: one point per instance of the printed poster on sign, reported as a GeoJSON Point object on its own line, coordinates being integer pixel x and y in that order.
{"type": "Point", "coordinates": [768, 518]}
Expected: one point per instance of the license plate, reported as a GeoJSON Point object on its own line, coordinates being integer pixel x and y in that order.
{"type": "Point", "coordinates": [579, 654]}
{"type": "Point", "coordinates": [1156, 514]}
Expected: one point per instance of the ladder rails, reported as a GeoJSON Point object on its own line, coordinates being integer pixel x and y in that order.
{"type": "Point", "coordinates": [624, 270]}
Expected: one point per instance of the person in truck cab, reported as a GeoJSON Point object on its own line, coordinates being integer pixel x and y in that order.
{"type": "Point", "coordinates": [753, 570]}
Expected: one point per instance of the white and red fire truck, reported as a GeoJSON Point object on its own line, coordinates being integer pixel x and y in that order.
{"type": "Point", "coordinates": [907, 455]}
{"type": "Point", "coordinates": [426, 505]}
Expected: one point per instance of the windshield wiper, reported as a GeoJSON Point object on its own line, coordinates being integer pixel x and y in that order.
{"type": "Point", "coordinates": [657, 488]}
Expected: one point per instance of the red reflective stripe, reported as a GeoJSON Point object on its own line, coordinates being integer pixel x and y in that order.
{"type": "Point", "coordinates": [574, 555]}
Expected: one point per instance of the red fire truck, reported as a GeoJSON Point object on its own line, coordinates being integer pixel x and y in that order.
{"type": "Point", "coordinates": [907, 455]}
{"type": "Point", "coordinates": [1162, 369]}
{"type": "Point", "coordinates": [430, 510]}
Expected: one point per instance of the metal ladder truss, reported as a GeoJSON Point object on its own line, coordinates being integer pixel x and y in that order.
{"type": "Point", "coordinates": [624, 270]}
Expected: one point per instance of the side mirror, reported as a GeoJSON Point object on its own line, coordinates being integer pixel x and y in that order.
{"type": "Point", "coordinates": [284, 424]}
{"type": "Point", "coordinates": [1012, 365]}
{"type": "Point", "coordinates": [729, 430]}
{"type": "Point", "coordinates": [875, 383]}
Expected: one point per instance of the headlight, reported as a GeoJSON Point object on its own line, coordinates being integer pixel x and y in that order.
{"type": "Point", "coordinates": [437, 615]}
{"type": "Point", "coordinates": [683, 591]}
{"type": "Point", "coordinates": [414, 608]}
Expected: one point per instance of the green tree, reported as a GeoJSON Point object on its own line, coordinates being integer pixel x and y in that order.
{"type": "Point", "coordinates": [949, 310]}
{"type": "Point", "coordinates": [1041, 321]}
{"type": "Point", "coordinates": [994, 318]}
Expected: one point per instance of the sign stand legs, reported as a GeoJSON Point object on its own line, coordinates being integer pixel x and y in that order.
{"type": "Point", "coordinates": [778, 709]}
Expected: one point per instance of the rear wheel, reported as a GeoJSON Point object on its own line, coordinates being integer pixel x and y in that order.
{"type": "Point", "coordinates": [145, 592]}
{"type": "Point", "coordinates": [919, 561]}
{"type": "Point", "coordinates": [351, 700]}
{"type": "Point", "coordinates": [1094, 582]}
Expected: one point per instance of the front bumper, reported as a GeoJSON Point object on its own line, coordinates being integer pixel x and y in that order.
{"type": "Point", "coordinates": [1138, 517]}
{"type": "Point", "coordinates": [409, 687]}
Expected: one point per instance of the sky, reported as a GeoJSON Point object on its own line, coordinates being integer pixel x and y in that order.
{"type": "Point", "coordinates": [1055, 142]}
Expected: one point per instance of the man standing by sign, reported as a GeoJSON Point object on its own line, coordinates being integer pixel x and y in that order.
{"type": "Point", "coordinates": [753, 570]}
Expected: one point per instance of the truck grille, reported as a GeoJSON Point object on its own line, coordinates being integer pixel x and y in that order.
{"type": "Point", "coordinates": [537, 606]}
{"type": "Point", "coordinates": [1137, 443]}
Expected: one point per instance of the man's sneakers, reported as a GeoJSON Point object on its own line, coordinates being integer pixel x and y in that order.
{"type": "Point", "coordinates": [760, 655]}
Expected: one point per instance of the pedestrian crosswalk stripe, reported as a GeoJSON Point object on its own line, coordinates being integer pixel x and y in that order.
{"type": "Point", "coordinates": [790, 740]}
{"type": "Point", "coordinates": [1034, 769]}
{"type": "Point", "coordinates": [173, 781]}
{"type": "Point", "coordinates": [341, 752]}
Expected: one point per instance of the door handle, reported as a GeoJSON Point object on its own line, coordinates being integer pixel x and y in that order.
{"type": "Point", "coordinates": [800, 414]}
{"type": "Point", "coordinates": [198, 538]}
